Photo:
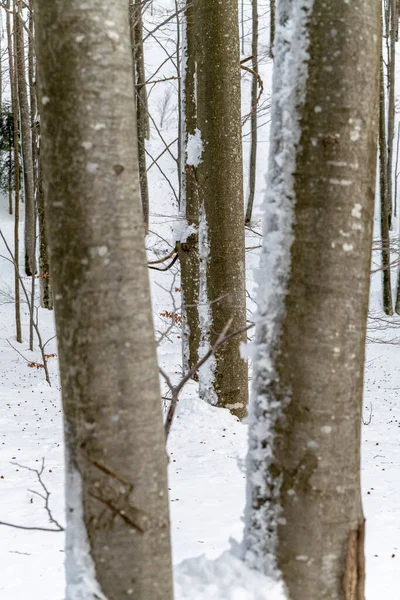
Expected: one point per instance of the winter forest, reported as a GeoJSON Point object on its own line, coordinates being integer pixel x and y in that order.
{"type": "Point", "coordinates": [199, 300]}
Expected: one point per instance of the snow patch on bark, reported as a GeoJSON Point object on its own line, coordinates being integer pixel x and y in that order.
{"type": "Point", "coordinates": [268, 402]}
{"type": "Point", "coordinates": [194, 148]}
{"type": "Point", "coordinates": [207, 371]}
{"type": "Point", "coordinates": [80, 570]}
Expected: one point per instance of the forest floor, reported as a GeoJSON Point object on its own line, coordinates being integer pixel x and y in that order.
{"type": "Point", "coordinates": [207, 450]}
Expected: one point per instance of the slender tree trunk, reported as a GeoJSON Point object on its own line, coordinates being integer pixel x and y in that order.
{"type": "Point", "coordinates": [46, 291]}
{"type": "Point", "coordinates": [142, 118]}
{"type": "Point", "coordinates": [118, 540]}
{"type": "Point", "coordinates": [179, 93]}
{"type": "Point", "coordinates": [271, 27]}
{"type": "Point", "coordinates": [46, 294]}
{"type": "Point", "coordinates": [384, 201]}
{"type": "Point", "coordinates": [26, 144]}
{"type": "Point", "coordinates": [10, 172]}
{"type": "Point", "coordinates": [391, 104]}
{"type": "Point", "coordinates": [188, 245]}
{"type": "Point", "coordinates": [305, 511]}
{"type": "Point", "coordinates": [254, 94]}
{"type": "Point", "coordinates": [14, 99]}
{"type": "Point", "coordinates": [33, 136]}
{"type": "Point", "coordinates": [1, 62]}
{"type": "Point", "coordinates": [223, 380]}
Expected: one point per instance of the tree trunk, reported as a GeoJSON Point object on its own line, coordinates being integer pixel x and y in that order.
{"type": "Point", "coordinates": [218, 166]}
{"type": "Point", "coordinates": [271, 27]}
{"type": "Point", "coordinates": [188, 244]}
{"type": "Point", "coordinates": [142, 117]}
{"type": "Point", "coordinates": [1, 63]}
{"type": "Point", "coordinates": [46, 293]}
{"type": "Point", "coordinates": [391, 104]}
{"type": "Point", "coordinates": [26, 144]}
{"type": "Point", "coordinates": [254, 94]}
{"type": "Point", "coordinates": [14, 99]}
{"type": "Point", "coordinates": [118, 540]}
{"type": "Point", "coordinates": [305, 511]}
{"type": "Point", "coordinates": [384, 201]}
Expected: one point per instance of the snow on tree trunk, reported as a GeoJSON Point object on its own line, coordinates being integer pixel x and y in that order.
{"type": "Point", "coordinates": [188, 244]}
{"type": "Point", "coordinates": [219, 184]}
{"type": "Point", "coordinates": [304, 515]}
{"type": "Point", "coordinates": [117, 499]}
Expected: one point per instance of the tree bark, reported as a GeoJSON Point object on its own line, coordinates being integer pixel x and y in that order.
{"type": "Point", "coordinates": [391, 103]}
{"type": "Point", "coordinates": [271, 27]}
{"type": "Point", "coordinates": [219, 175]}
{"type": "Point", "coordinates": [118, 540]}
{"type": "Point", "coordinates": [46, 292]}
{"type": "Point", "coordinates": [254, 94]}
{"type": "Point", "coordinates": [142, 117]}
{"type": "Point", "coordinates": [11, 37]}
{"type": "Point", "coordinates": [26, 144]}
{"type": "Point", "coordinates": [188, 247]}
{"type": "Point", "coordinates": [305, 510]}
{"type": "Point", "coordinates": [384, 201]}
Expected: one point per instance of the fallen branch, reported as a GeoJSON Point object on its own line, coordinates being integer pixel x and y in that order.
{"type": "Point", "coordinates": [45, 496]}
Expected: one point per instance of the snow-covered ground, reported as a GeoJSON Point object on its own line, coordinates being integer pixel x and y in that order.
{"type": "Point", "coordinates": [207, 448]}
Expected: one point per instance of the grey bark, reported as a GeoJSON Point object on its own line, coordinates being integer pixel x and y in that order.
{"type": "Point", "coordinates": [189, 249]}
{"type": "Point", "coordinates": [46, 293]}
{"type": "Point", "coordinates": [220, 187]}
{"type": "Point", "coordinates": [384, 201]}
{"type": "Point", "coordinates": [311, 382]}
{"type": "Point", "coordinates": [271, 27]}
{"type": "Point", "coordinates": [11, 38]}
{"type": "Point", "coordinates": [254, 94]}
{"type": "Point", "coordinates": [391, 103]}
{"type": "Point", "coordinates": [142, 117]}
{"type": "Point", "coordinates": [26, 144]}
{"type": "Point", "coordinates": [111, 397]}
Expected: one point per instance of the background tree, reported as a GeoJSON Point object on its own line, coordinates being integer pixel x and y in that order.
{"type": "Point", "coordinates": [305, 514]}
{"type": "Point", "coordinates": [26, 142]}
{"type": "Point", "coordinates": [385, 201]}
{"type": "Point", "coordinates": [216, 157]}
{"type": "Point", "coordinates": [142, 116]}
{"type": "Point", "coordinates": [254, 119]}
{"type": "Point", "coordinates": [188, 246]}
{"type": "Point", "coordinates": [117, 497]}
{"type": "Point", "coordinates": [12, 62]}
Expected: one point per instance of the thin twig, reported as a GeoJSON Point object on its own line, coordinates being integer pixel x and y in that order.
{"type": "Point", "coordinates": [176, 389]}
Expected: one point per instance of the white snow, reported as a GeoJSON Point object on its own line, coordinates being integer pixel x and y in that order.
{"type": "Point", "coordinates": [194, 149]}
{"type": "Point", "coordinates": [226, 578]}
{"type": "Point", "coordinates": [206, 372]}
{"type": "Point", "coordinates": [81, 582]}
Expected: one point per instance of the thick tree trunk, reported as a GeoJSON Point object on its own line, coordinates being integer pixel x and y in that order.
{"type": "Point", "coordinates": [118, 541]}
{"type": "Point", "coordinates": [26, 144]}
{"type": "Point", "coordinates": [254, 94]}
{"type": "Point", "coordinates": [219, 174]}
{"type": "Point", "coordinates": [188, 246]}
{"type": "Point", "coordinates": [305, 509]}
